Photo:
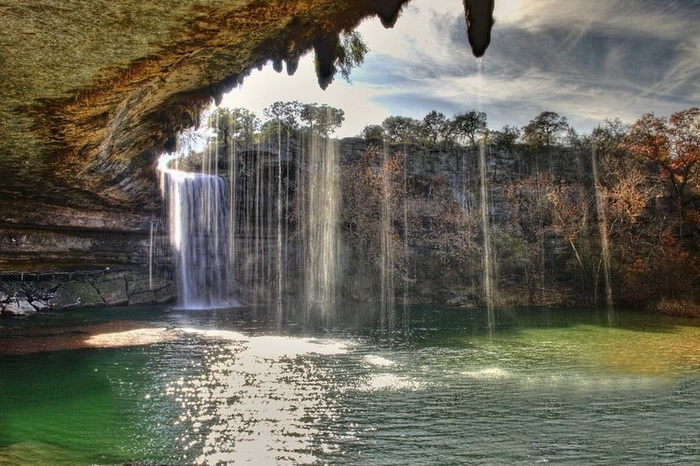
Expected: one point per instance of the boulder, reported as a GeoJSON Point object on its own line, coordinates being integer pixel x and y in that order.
{"type": "Point", "coordinates": [112, 291]}
{"type": "Point", "coordinates": [40, 305]}
{"type": "Point", "coordinates": [75, 294]}
{"type": "Point", "coordinates": [18, 307]}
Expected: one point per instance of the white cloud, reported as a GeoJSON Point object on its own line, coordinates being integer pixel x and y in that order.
{"type": "Point", "coordinates": [262, 88]}
{"type": "Point", "coordinates": [650, 18]}
{"type": "Point", "coordinates": [585, 59]}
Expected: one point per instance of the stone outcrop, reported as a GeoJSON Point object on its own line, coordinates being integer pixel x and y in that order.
{"type": "Point", "coordinates": [32, 293]}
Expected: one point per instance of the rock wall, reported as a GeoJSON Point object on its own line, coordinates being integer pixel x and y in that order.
{"type": "Point", "coordinates": [91, 93]}
{"type": "Point", "coordinates": [26, 294]}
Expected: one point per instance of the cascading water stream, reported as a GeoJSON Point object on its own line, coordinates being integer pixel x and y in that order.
{"type": "Point", "coordinates": [198, 215]}
{"type": "Point", "coordinates": [604, 238]}
{"type": "Point", "coordinates": [232, 203]}
{"type": "Point", "coordinates": [487, 254]}
{"type": "Point", "coordinates": [387, 257]}
{"type": "Point", "coordinates": [406, 255]}
{"type": "Point", "coordinates": [321, 230]}
{"type": "Point", "coordinates": [320, 235]}
{"type": "Point", "coordinates": [151, 248]}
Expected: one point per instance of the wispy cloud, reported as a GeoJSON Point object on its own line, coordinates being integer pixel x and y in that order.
{"type": "Point", "coordinates": [585, 59]}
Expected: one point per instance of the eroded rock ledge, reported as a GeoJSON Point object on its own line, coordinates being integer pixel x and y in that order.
{"type": "Point", "coordinates": [94, 90]}
{"type": "Point", "coordinates": [26, 294]}
{"type": "Point", "coordinates": [91, 92]}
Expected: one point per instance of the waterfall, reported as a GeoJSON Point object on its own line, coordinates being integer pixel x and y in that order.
{"type": "Point", "coordinates": [271, 221]}
{"type": "Point", "coordinates": [487, 257]}
{"type": "Point", "coordinates": [198, 215]}
{"type": "Point", "coordinates": [321, 230]}
{"type": "Point", "coordinates": [387, 259]}
{"type": "Point", "coordinates": [604, 238]}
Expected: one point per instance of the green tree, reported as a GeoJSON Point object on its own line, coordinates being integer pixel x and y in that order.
{"type": "Point", "coordinates": [435, 127]}
{"type": "Point", "coordinates": [505, 138]}
{"type": "Point", "coordinates": [400, 128]}
{"type": "Point", "coordinates": [351, 52]}
{"type": "Point", "coordinates": [373, 133]}
{"type": "Point", "coordinates": [286, 114]}
{"type": "Point", "coordinates": [321, 119]}
{"type": "Point", "coordinates": [469, 126]}
{"type": "Point", "coordinates": [234, 126]}
{"type": "Point", "coordinates": [545, 129]}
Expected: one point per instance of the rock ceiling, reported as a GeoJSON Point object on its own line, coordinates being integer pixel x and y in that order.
{"type": "Point", "coordinates": [92, 91]}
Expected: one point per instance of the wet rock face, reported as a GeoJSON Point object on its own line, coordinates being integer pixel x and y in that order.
{"type": "Point", "coordinates": [91, 92]}
{"type": "Point", "coordinates": [36, 293]}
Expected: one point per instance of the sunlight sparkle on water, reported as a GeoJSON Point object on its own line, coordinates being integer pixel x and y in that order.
{"type": "Point", "coordinates": [392, 382]}
{"type": "Point", "coordinates": [258, 399]}
{"type": "Point", "coordinates": [375, 360]}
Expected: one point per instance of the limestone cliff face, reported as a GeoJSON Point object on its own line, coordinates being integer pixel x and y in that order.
{"type": "Point", "coordinates": [91, 92]}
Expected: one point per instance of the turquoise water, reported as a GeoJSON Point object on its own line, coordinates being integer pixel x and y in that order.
{"type": "Point", "coordinates": [162, 386]}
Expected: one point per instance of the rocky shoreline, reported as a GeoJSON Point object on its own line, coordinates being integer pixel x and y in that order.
{"type": "Point", "coordinates": [25, 294]}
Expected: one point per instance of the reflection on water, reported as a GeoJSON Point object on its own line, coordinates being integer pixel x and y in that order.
{"type": "Point", "coordinates": [488, 373]}
{"type": "Point", "coordinates": [201, 388]}
{"type": "Point", "coordinates": [261, 400]}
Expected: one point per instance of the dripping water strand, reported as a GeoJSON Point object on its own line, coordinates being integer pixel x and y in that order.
{"type": "Point", "coordinates": [387, 286]}
{"type": "Point", "coordinates": [487, 254]}
{"type": "Point", "coordinates": [151, 242]}
{"type": "Point", "coordinates": [321, 230]}
{"type": "Point", "coordinates": [280, 268]}
{"type": "Point", "coordinates": [604, 238]}
{"type": "Point", "coordinates": [405, 244]}
{"type": "Point", "coordinates": [486, 233]}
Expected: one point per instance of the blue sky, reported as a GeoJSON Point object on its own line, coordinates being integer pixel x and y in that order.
{"type": "Point", "coordinates": [588, 60]}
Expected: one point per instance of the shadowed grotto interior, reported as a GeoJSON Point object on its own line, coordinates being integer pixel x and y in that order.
{"type": "Point", "coordinates": [92, 93]}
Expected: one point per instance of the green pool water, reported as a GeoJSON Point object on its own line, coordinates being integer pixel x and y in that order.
{"type": "Point", "coordinates": [228, 387]}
